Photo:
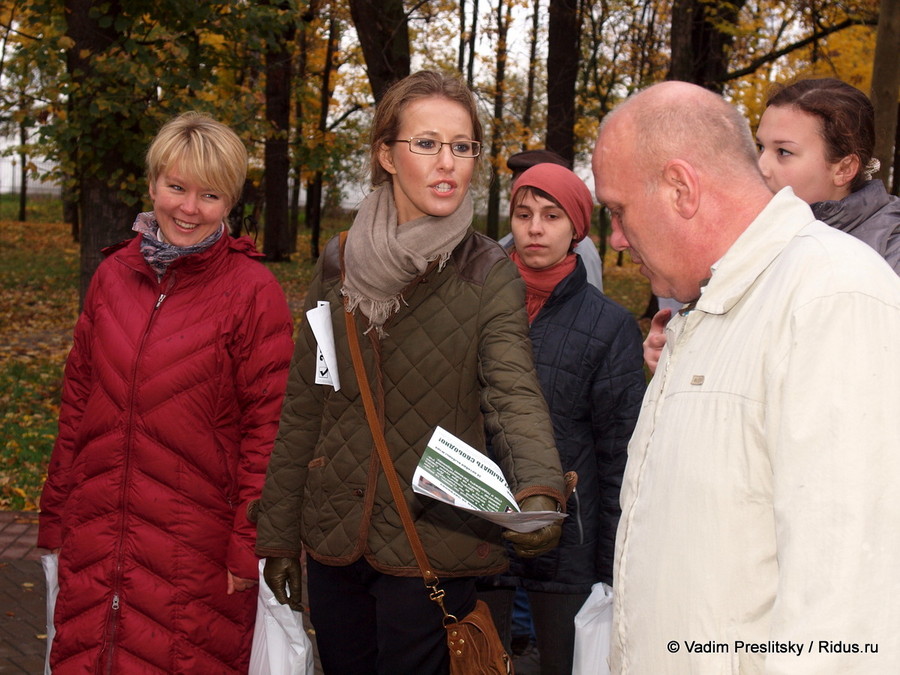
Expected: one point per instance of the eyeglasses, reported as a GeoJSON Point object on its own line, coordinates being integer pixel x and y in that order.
{"type": "Point", "coordinates": [429, 146]}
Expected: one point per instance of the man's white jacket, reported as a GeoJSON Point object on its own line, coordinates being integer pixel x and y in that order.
{"type": "Point", "coordinates": [761, 500]}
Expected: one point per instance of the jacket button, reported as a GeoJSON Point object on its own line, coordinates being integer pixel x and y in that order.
{"type": "Point", "coordinates": [358, 493]}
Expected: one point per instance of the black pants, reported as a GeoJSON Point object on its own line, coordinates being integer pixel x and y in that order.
{"type": "Point", "coordinates": [553, 615]}
{"type": "Point", "coordinates": [367, 622]}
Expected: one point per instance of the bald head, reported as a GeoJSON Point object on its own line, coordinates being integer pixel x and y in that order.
{"type": "Point", "coordinates": [683, 120]}
{"type": "Point", "coordinates": [676, 166]}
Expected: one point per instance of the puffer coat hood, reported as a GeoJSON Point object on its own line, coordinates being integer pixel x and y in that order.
{"type": "Point", "coordinates": [169, 411]}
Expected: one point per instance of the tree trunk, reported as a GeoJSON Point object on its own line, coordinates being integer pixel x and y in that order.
{"type": "Point", "coordinates": [70, 213]}
{"type": "Point", "coordinates": [470, 74]}
{"type": "Point", "coordinates": [106, 215]}
{"type": "Point", "coordinates": [504, 15]}
{"type": "Point", "coordinates": [700, 39]}
{"type": "Point", "coordinates": [383, 34]}
{"type": "Point", "coordinates": [886, 87]}
{"type": "Point", "coordinates": [461, 48]}
{"type": "Point", "coordinates": [299, 97]}
{"type": "Point", "coordinates": [562, 61]}
{"type": "Point", "coordinates": [532, 69]}
{"type": "Point", "coordinates": [277, 240]}
{"type": "Point", "coordinates": [23, 188]}
{"type": "Point", "coordinates": [681, 61]}
{"type": "Point", "coordinates": [314, 212]}
{"type": "Point", "coordinates": [106, 221]}
{"type": "Point", "coordinates": [314, 194]}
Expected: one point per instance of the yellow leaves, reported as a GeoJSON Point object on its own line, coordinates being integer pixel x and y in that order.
{"type": "Point", "coordinates": [65, 42]}
{"type": "Point", "coordinates": [215, 40]}
{"type": "Point", "coordinates": [850, 53]}
{"type": "Point", "coordinates": [38, 306]}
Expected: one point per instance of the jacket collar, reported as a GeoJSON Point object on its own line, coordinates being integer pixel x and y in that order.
{"type": "Point", "coordinates": [764, 239]}
{"type": "Point", "coordinates": [571, 284]}
{"type": "Point", "coordinates": [855, 209]}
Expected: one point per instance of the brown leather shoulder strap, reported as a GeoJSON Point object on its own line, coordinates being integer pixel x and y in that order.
{"type": "Point", "coordinates": [381, 445]}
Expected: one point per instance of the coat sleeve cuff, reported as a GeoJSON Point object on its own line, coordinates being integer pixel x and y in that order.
{"type": "Point", "coordinates": [554, 494]}
{"type": "Point", "coordinates": [241, 561]}
{"type": "Point", "coordinates": [273, 552]}
{"type": "Point", "coordinates": [49, 532]}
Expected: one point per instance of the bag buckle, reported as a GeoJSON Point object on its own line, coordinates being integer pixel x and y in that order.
{"type": "Point", "coordinates": [437, 595]}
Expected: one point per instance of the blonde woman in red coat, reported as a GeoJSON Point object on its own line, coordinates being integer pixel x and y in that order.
{"type": "Point", "coordinates": [169, 409]}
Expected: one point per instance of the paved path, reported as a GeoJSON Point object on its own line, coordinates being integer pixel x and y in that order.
{"type": "Point", "coordinates": [23, 610]}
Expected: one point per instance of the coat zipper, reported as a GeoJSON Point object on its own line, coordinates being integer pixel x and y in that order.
{"type": "Point", "coordinates": [578, 515]}
{"type": "Point", "coordinates": [112, 624]}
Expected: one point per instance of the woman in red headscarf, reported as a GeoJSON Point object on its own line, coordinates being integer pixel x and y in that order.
{"type": "Point", "coordinates": [587, 352]}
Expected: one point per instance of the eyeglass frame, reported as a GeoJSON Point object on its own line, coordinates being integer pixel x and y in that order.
{"type": "Point", "coordinates": [409, 145]}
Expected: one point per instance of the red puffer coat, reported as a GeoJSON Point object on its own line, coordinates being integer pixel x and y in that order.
{"type": "Point", "coordinates": [169, 410]}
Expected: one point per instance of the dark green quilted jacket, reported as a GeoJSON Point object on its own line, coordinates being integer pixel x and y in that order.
{"type": "Point", "coordinates": [456, 355]}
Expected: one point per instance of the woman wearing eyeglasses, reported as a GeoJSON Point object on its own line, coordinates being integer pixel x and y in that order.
{"type": "Point", "coordinates": [440, 315]}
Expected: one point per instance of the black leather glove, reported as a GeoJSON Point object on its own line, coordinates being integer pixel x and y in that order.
{"type": "Point", "coordinates": [284, 576]}
{"type": "Point", "coordinates": [532, 544]}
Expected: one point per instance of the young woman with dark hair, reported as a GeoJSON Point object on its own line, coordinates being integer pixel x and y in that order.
{"type": "Point", "coordinates": [817, 137]}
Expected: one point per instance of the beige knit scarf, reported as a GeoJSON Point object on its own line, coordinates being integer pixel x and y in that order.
{"type": "Point", "coordinates": [382, 258]}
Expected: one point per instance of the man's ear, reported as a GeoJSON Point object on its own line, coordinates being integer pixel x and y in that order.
{"type": "Point", "coordinates": [680, 178]}
{"type": "Point", "coordinates": [845, 170]}
{"type": "Point", "coordinates": [386, 159]}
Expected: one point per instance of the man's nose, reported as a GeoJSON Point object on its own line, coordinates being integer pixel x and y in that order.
{"type": "Point", "coordinates": [617, 239]}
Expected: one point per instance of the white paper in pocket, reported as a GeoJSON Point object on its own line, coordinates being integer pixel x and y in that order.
{"type": "Point", "coordinates": [326, 356]}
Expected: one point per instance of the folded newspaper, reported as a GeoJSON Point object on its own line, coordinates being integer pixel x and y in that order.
{"type": "Point", "coordinates": [455, 473]}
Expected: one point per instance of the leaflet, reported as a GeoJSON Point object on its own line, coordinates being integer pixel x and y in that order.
{"type": "Point", "coordinates": [455, 473]}
{"type": "Point", "coordinates": [319, 318]}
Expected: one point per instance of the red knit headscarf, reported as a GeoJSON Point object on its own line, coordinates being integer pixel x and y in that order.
{"type": "Point", "coordinates": [573, 196]}
{"type": "Point", "coordinates": [566, 188]}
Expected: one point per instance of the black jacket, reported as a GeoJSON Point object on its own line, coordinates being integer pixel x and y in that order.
{"type": "Point", "coordinates": [589, 360]}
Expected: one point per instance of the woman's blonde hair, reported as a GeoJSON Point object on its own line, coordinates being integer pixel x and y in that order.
{"type": "Point", "coordinates": [203, 149]}
{"type": "Point", "coordinates": [423, 84]}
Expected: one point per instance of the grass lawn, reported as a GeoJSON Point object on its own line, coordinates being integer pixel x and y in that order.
{"type": "Point", "coordinates": [38, 309]}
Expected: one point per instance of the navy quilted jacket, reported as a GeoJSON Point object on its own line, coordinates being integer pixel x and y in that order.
{"type": "Point", "coordinates": [588, 355]}
{"type": "Point", "coordinates": [456, 355]}
{"type": "Point", "coordinates": [169, 411]}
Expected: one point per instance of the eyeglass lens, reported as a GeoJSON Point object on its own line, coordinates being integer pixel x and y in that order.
{"type": "Point", "coordinates": [429, 146]}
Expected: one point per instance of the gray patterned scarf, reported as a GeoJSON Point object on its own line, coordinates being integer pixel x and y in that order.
{"type": "Point", "coordinates": [160, 254]}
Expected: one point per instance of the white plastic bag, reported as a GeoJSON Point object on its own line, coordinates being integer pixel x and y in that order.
{"type": "Point", "coordinates": [50, 563]}
{"type": "Point", "coordinates": [280, 644]}
{"type": "Point", "coordinates": [593, 632]}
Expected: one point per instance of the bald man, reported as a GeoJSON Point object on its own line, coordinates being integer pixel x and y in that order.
{"type": "Point", "coordinates": [761, 500]}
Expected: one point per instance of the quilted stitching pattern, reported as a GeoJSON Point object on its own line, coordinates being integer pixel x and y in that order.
{"type": "Point", "coordinates": [589, 360]}
{"type": "Point", "coordinates": [167, 420]}
{"type": "Point", "coordinates": [456, 355]}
